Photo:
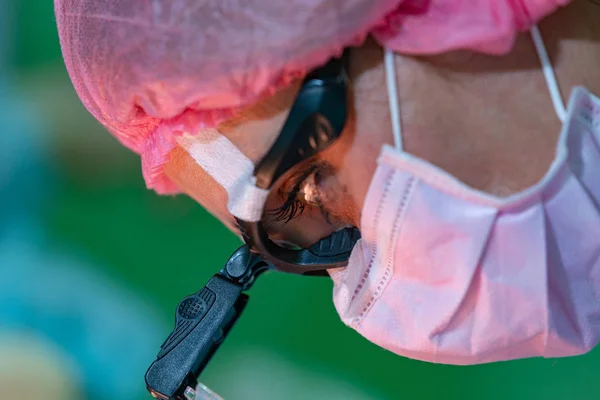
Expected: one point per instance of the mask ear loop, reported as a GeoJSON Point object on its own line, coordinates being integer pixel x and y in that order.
{"type": "Point", "coordinates": [557, 101]}
{"type": "Point", "coordinates": [392, 89]}
{"type": "Point", "coordinates": [551, 82]}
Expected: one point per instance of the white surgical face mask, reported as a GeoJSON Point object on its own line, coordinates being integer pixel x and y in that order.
{"type": "Point", "coordinates": [445, 273]}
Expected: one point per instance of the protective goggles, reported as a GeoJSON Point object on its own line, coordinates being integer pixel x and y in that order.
{"type": "Point", "coordinates": [203, 320]}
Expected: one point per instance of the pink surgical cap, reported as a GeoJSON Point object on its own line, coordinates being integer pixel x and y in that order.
{"type": "Point", "coordinates": [148, 70]}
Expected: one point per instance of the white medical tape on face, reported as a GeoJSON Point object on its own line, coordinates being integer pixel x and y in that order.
{"type": "Point", "coordinates": [230, 168]}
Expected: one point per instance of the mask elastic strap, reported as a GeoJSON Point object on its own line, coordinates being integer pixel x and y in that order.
{"type": "Point", "coordinates": [392, 85]}
{"type": "Point", "coordinates": [551, 81]}
{"type": "Point", "coordinates": [392, 89]}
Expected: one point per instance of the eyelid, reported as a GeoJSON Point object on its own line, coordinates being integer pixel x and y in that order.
{"type": "Point", "coordinates": [289, 189]}
{"type": "Point", "coordinates": [295, 180]}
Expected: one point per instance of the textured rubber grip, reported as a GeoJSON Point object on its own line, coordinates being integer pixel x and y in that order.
{"type": "Point", "coordinates": [202, 322]}
{"type": "Point", "coordinates": [189, 313]}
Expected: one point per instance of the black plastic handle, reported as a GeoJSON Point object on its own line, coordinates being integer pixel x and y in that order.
{"type": "Point", "coordinates": [202, 322]}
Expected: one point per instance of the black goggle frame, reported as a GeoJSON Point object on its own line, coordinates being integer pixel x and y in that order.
{"type": "Point", "coordinates": [316, 120]}
{"type": "Point", "coordinates": [204, 319]}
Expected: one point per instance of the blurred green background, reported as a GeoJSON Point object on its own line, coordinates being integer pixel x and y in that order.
{"type": "Point", "coordinates": [290, 344]}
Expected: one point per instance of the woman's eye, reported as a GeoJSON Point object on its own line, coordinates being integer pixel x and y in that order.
{"type": "Point", "coordinates": [297, 213]}
{"type": "Point", "coordinates": [299, 194]}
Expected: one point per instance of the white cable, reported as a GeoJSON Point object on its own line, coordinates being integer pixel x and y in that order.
{"type": "Point", "coordinates": [390, 75]}
{"type": "Point", "coordinates": [551, 81]}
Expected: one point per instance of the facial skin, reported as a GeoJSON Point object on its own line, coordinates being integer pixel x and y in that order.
{"type": "Point", "coordinates": [487, 120]}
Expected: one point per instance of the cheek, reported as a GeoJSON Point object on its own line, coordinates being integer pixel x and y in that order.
{"type": "Point", "coordinates": [355, 160]}
{"type": "Point", "coordinates": [196, 183]}
{"type": "Point", "coordinates": [355, 177]}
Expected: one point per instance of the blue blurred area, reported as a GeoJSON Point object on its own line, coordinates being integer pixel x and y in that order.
{"type": "Point", "coordinates": [109, 332]}
{"type": "Point", "coordinates": [54, 294]}
{"type": "Point", "coordinates": [25, 171]}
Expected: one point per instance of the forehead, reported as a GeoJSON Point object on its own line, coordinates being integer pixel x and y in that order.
{"type": "Point", "coordinates": [252, 131]}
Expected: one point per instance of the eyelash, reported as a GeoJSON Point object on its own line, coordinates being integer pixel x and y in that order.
{"type": "Point", "coordinates": [293, 208]}
{"type": "Point", "coordinates": [290, 210]}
